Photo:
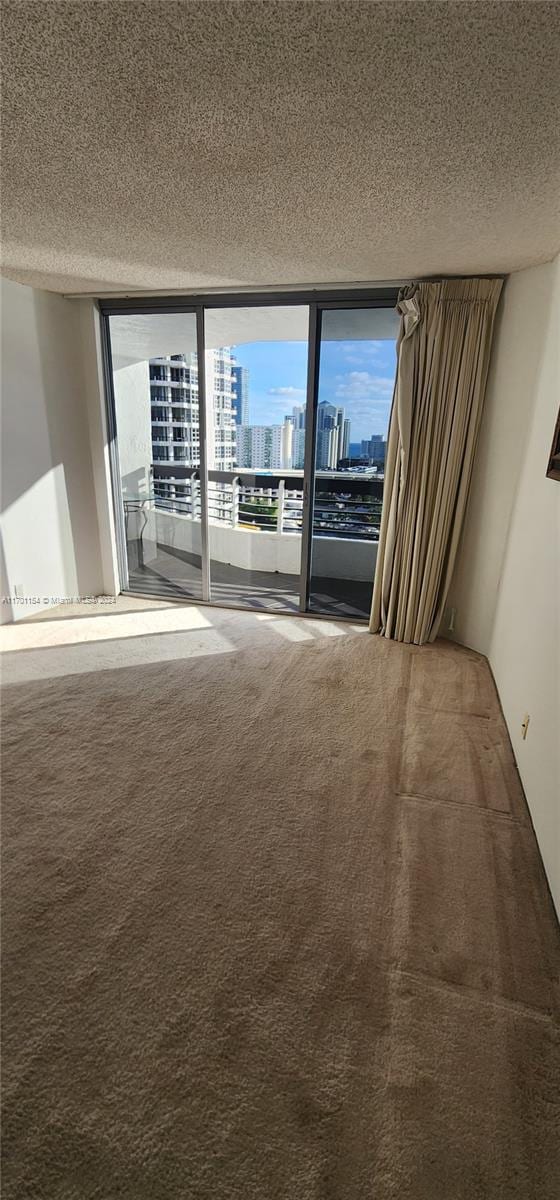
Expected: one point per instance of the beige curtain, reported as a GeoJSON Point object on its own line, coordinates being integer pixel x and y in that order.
{"type": "Point", "coordinates": [443, 352]}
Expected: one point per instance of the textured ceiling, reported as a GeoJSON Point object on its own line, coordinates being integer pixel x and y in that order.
{"type": "Point", "coordinates": [197, 145]}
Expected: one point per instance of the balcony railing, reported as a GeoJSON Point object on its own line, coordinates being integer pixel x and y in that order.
{"type": "Point", "coordinates": [346, 505]}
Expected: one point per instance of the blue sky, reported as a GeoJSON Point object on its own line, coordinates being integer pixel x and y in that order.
{"type": "Point", "coordinates": [355, 375]}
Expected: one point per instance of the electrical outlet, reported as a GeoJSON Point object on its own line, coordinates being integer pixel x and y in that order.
{"type": "Point", "coordinates": [525, 725]}
{"type": "Point", "coordinates": [18, 591]}
{"type": "Point", "coordinates": [451, 625]}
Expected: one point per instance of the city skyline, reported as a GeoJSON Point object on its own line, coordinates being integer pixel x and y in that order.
{"type": "Point", "coordinates": [355, 375]}
{"type": "Point", "coordinates": [236, 440]}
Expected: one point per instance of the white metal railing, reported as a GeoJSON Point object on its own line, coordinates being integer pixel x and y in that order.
{"type": "Point", "coordinates": [342, 508]}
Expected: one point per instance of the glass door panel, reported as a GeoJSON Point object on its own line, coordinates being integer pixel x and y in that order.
{"type": "Point", "coordinates": [155, 385]}
{"type": "Point", "coordinates": [256, 381]}
{"type": "Point", "coordinates": [357, 364]}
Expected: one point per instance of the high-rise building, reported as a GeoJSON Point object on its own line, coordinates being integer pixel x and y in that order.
{"type": "Point", "coordinates": [374, 448]}
{"type": "Point", "coordinates": [240, 394]}
{"type": "Point", "coordinates": [286, 444]}
{"type": "Point", "coordinates": [220, 420]}
{"type": "Point", "coordinates": [175, 417]}
{"type": "Point", "coordinates": [260, 446]}
{"type": "Point", "coordinates": [327, 445]}
{"type": "Point", "coordinates": [244, 445]}
{"type": "Point", "coordinates": [333, 436]}
{"type": "Point", "coordinates": [298, 450]}
{"type": "Point", "coordinates": [268, 447]}
{"type": "Point", "coordinates": [326, 421]}
{"type": "Point", "coordinates": [298, 441]}
{"type": "Point", "coordinates": [174, 409]}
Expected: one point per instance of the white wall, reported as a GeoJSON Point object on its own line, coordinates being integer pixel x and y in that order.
{"type": "Point", "coordinates": [134, 424]}
{"type": "Point", "coordinates": [344, 558]}
{"type": "Point", "coordinates": [507, 583]}
{"type": "Point", "coordinates": [50, 541]}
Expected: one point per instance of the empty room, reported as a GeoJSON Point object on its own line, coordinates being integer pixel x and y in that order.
{"type": "Point", "coordinates": [280, 644]}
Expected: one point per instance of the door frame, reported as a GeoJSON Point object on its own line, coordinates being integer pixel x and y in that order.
{"type": "Point", "coordinates": [317, 300]}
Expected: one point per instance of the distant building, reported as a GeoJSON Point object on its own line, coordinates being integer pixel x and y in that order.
{"type": "Point", "coordinates": [374, 448]}
{"type": "Point", "coordinates": [333, 436]}
{"type": "Point", "coordinates": [298, 441]}
{"type": "Point", "coordinates": [286, 444]}
{"type": "Point", "coordinates": [244, 441]}
{"type": "Point", "coordinates": [298, 450]}
{"type": "Point", "coordinates": [347, 464]}
{"type": "Point", "coordinates": [260, 446]}
{"type": "Point", "coordinates": [220, 423]}
{"type": "Point", "coordinates": [240, 395]}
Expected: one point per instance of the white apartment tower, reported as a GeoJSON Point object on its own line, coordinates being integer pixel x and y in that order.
{"type": "Point", "coordinates": [333, 436]}
{"type": "Point", "coordinates": [298, 441]}
{"type": "Point", "coordinates": [174, 409]}
{"type": "Point", "coordinates": [175, 414]}
{"type": "Point", "coordinates": [260, 447]}
{"type": "Point", "coordinates": [286, 444]}
{"type": "Point", "coordinates": [221, 393]}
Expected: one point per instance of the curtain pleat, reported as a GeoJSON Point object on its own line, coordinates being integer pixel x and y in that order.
{"type": "Point", "coordinates": [443, 353]}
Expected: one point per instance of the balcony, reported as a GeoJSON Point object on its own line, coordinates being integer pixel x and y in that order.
{"type": "Point", "coordinates": [255, 522]}
{"type": "Point", "coordinates": [156, 382]}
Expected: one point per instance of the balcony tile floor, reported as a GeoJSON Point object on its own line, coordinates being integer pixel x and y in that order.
{"type": "Point", "coordinates": [176, 575]}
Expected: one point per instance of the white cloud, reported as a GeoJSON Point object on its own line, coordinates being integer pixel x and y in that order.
{"type": "Point", "coordinates": [360, 353]}
{"type": "Point", "coordinates": [286, 391]}
{"type": "Point", "coordinates": [362, 385]}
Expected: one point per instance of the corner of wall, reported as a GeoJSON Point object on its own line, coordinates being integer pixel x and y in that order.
{"type": "Point", "coordinates": [51, 547]}
{"type": "Point", "coordinates": [506, 587]}
{"type": "Point", "coordinates": [521, 331]}
{"type": "Point", "coordinates": [524, 650]}
{"type": "Point", "coordinates": [90, 326]}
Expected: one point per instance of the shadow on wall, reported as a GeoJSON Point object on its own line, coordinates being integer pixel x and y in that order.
{"type": "Point", "coordinates": [49, 518]}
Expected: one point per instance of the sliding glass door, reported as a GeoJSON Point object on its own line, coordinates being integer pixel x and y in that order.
{"type": "Point", "coordinates": [157, 413]}
{"type": "Point", "coordinates": [248, 443]}
{"type": "Point", "coordinates": [256, 382]}
{"type": "Point", "coordinates": [355, 384]}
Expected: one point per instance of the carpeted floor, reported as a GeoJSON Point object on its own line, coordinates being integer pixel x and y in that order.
{"type": "Point", "coordinates": [275, 927]}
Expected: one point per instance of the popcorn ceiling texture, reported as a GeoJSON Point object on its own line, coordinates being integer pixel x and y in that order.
{"type": "Point", "coordinates": [169, 145]}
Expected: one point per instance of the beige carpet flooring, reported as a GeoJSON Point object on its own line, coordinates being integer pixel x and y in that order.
{"type": "Point", "coordinates": [275, 927]}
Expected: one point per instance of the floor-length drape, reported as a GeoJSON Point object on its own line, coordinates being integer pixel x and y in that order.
{"type": "Point", "coordinates": [443, 352]}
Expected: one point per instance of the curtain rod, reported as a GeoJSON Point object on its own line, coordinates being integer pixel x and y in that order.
{"type": "Point", "coordinates": [287, 289]}
{"type": "Point", "coordinates": [243, 290]}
